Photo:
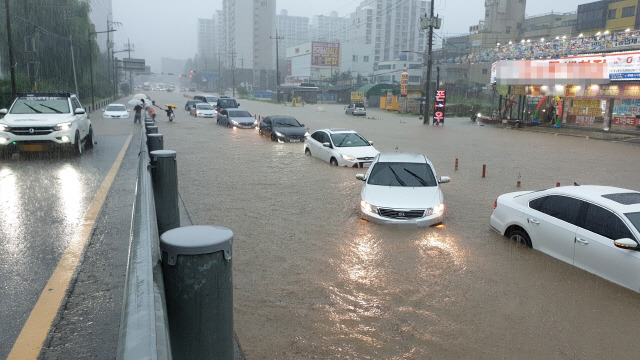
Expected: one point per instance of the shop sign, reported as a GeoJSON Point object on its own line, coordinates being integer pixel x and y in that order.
{"type": "Point", "coordinates": [503, 89]}
{"type": "Point", "coordinates": [573, 91]}
{"type": "Point", "coordinates": [517, 90]}
{"type": "Point", "coordinates": [325, 54]}
{"type": "Point", "coordinates": [607, 90]}
{"type": "Point", "coordinates": [403, 83]}
{"type": "Point", "coordinates": [585, 120]}
{"type": "Point", "coordinates": [628, 121]}
{"type": "Point", "coordinates": [533, 90]}
{"type": "Point", "coordinates": [624, 66]}
{"type": "Point", "coordinates": [631, 90]}
{"type": "Point", "coordinates": [438, 114]}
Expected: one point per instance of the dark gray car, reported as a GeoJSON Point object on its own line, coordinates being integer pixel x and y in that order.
{"type": "Point", "coordinates": [283, 128]}
{"type": "Point", "coordinates": [236, 118]}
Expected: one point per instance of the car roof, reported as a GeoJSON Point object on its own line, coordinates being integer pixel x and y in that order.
{"type": "Point", "coordinates": [623, 200]}
{"type": "Point", "coordinates": [115, 104]}
{"type": "Point", "coordinates": [335, 131]}
{"type": "Point", "coordinates": [402, 157]}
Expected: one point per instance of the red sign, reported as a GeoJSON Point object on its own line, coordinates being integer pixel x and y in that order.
{"type": "Point", "coordinates": [325, 54]}
{"type": "Point", "coordinates": [439, 107]}
{"type": "Point", "coordinates": [626, 121]}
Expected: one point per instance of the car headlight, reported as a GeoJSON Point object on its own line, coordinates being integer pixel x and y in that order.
{"type": "Point", "coordinates": [306, 134]}
{"type": "Point", "coordinates": [234, 122]}
{"type": "Point", "coordinates": [368, 208]}
{"type": "Point", "coordinates": [255, 123]}
{"type": "Point", "coordinates": [278, 134]}
{"type": "Point", "coordinates": [197, 112]}
{"type": "Point", "coordinates": [4, 128]}
{"type": "Point", "coordinates": [63, 126]}
{"type": "Point", "coordinates": [348, 157]}
{"type": "Point", "coordinates": [438, 209]}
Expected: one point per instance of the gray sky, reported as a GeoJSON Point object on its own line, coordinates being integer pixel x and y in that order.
{"type": "Point", "coordinates": [167, 28]}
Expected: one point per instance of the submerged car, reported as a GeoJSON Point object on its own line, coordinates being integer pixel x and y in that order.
{"type": "Point", "coordinates": [203, 110]}
{"type": "Point", "coordinates": [283, 128]}
{"type": "Point", "coordinates": [402, 189]}
{"type": "Point", "coordinates": [596, 228]}
{"type": "Point", "coordinates": [356, 109]}
{"type": "Point", "coordinates": [115, 111]}
{"type": "Point", "coordinates": [236, 118]}
{"type": "Point", "coordinates": [340, 147]}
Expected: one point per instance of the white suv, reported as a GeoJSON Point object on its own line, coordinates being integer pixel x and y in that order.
{"type": "Point", "coordinates": [45, 121]}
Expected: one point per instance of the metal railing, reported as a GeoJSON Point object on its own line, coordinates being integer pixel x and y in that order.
{"type": "Point", "coordinates": [144, 327]}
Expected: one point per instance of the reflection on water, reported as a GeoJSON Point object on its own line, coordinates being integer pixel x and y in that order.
{"type": "Point", "coordinates": [359, 260]}
{"type": "Point", "coordinates": [70, 191]}
{"type": "Point", "coordinates": [10, 226]}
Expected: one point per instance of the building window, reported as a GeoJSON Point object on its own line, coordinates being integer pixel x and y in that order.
{"type": "Point", "coordinates": [365, 59]}
{"type": "Point", "coordinates": [484, 71]}
{"type": "Point", "coordinates": [355, 58]}
{"type": "Point", "coordinates": [611, 14]}
{"type": "Point", "coordinates": [628, 11]}
{"type": "Point", "coordinates": [508, 30]}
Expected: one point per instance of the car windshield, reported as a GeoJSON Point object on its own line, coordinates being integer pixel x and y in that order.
{"type": "Point", "coordinates": [212, 99]}
{"type": "Point", "coordinates": [41, 105]}
{"type": "Point", "coordinates": [239, 113]}
{"type": "Point", "coordinates": [204, 107]}
{"type": "Point", "coordinates": [635, 219]}
{"type": "Point", "coordinates": [227, 103]}
{"type": "Point", "coordinates": [285, 122]}
{"type": "Point", "coordinates": [402, 174]}
{"type": "Point", "coordinates": [349, 140]}
{"type": "Point", "coordinates": [116, 108]}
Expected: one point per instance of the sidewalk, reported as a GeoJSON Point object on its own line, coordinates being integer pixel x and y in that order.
{"type": "Point", "coordinates": [589, 133]}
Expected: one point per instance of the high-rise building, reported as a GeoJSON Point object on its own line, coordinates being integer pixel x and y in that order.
{"type": "Point", "coordinates": [384, 30]}
{"type": "Point", "coordinates": [249, 27]}
{"type": "Point", "coordinates": [294, 30]}
{"type": "Point", "coordinates": [330, 28]}
{"type": "Point", "coordinates": [206, 41]}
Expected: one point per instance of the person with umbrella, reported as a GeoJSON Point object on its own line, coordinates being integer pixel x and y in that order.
{"type": "Point", "coordinates": [170, 112]}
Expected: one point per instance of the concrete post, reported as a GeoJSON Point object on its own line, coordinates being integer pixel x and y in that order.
{"type": "Point", "coordinates": [154, 142]}
{"type": "Point", "coordinates": [196, 267]}
{"type": "Point", "coordinates": [152, 130]}
{"type": "Point", "coordinates": [164, 175]}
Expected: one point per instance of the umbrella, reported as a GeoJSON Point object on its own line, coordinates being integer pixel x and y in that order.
{"type": "Point", "coordinates": [147, 102]}
{"type": "Point", "coordinates": [139, 96]}
{"type": "Point", "coordinates": [135, 102]}
{"type": "Point", "coordinates": [171, 106]}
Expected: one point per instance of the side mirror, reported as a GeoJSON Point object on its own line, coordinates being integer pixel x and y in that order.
{"type": "Point", "coordinates": [361, 177]}
{"type": "Point", "coordinates": [238, 104]}
{"type": "Point", "coordinates": [128, 110]}
{"type": "Point", "coordinates": [3, 111]}
{"type": "Point", "coordinates": [626, 243]}
{"type": "Point", "coordinates": [79, 111]}
{"type": "Point", "coordinates": [301, 125]}
{"type": "Point", "coordinates": [444, 179]}
{"type": "Point", "coordinates": [326, 144]}
{"type": "Point", "coordinates": [370, 142]}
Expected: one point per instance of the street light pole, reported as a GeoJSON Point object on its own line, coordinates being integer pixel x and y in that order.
{"type": "Point", "coordinates": [427, 94]}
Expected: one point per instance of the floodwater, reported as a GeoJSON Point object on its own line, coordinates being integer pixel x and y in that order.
{"type": "Point", "coordinates": [314, 281]}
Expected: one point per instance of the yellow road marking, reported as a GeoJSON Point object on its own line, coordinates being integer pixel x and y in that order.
{"type": "Point", "coordinates": [35, 330]}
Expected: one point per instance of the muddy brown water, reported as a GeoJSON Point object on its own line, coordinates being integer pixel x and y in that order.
{"type": "Point", "coordinates": [313, 281]}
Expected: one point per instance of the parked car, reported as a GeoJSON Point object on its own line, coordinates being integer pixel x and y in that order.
{"type": "Point", "coordinates": [191, 104]}
{"type": "Point", "coordinates": [236, 118]}
{"type": "Point", "coordinates": [283, 128]}
{"type": "Point", "coordinates": [403, 190]}
{"type": "Point", "coordinates": [226, 103]}
{"type": "Point", "coordinates": [45, 121]}
{"type": "Point", "coordinates": [340, 147]}
{"type": "Point", "coordinates": [356, 109]}
{"type": "Point", "coordinates": [203, 110]}
{"type": "Point", "coordinates": [115, 111]}
{"type": "Point", "coordinates": [596, 228]}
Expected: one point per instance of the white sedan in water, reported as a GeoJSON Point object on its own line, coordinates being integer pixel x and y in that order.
{"type": "Point", "coordinates": [402, 190]}
{"type": "Point", "coordinates": [115, 111]}
{"type": "Point", "coordinates": [596, 228]}
{"type": "Point", "coordinates": [340, 147]}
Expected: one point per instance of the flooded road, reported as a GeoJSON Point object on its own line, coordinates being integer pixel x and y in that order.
{"type": "Point", "coordinates": [312, 280]}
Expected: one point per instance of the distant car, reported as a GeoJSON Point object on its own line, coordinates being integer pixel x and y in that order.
{"type": "Point", "coordinates": [596, 228]}
{"type": "Point", "coordinates": [356, 109]}
{"type": "Point", "coordinates": [203, 110]}
{"type": "Point", "coordinates": [192, 89]}
{"type": "Point", "coordinates": [282, 128]}
{"type": "Point", "coordinates": [191, 104]}
{"type": "Point", "coordinates": [211, 99]}
{"type": "Point", "coordinates": [340, 147]}
{"type": "Point", "coordinates": [236, 118]}
{"type": "Point", "coordinates": [226, 103]}
{"type": "Point", "coordinates": [115, 111]}
{"type": "Point", "coordinates": [402, 189]}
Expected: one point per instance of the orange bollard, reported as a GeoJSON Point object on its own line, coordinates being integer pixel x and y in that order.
{"type": "Point", "coordinates": [456, 163]}
{"type": "Point", "coordinates": [484, 170]}
{"type": "Point", "coordinates": [518, 182]}
{"type": "Point", "coordinates": [557, 184]}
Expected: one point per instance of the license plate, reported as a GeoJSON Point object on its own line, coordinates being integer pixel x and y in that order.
{"type": "Point", "coordinates": [247, 127]}
{"type": "Point", "coordinates": [294, 140]}
{"type": "Point", "coordinates": [364, 165]}
{"type": "Point", "coordinates": [37, 147]}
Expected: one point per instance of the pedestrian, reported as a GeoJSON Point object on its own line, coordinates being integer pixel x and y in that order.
{"type": "Point", "coordinates": [152, 113]}
{"type": "Point", "coordinates": [137, 110]}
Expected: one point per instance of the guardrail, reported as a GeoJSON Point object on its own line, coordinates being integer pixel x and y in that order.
{"type": "Point", "coordinates": [144, 327]}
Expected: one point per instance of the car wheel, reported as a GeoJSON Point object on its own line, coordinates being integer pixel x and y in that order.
{"type": "Point", "coordinates": [88, 142]}
{"type": "Point", "coordinates": [260, 132]}
{"type": "Point", "coordinates": [77, 146]}
{"type": "Point", "coordinates": [333, 162]}
{"type": "Point", "coordinates": [307, 152]}
{"type": "Point", "coordinates": [520, 236]}
{"type": "Point", "coordinates": [273, 138]}
{"type": "Point", "coordinates": [228, 125]}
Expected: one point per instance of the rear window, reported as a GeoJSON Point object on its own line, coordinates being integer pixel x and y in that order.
{"type": "Point", "coordinates": [359, 105]}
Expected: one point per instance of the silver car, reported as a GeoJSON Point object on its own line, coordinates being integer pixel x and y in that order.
{"type": "Point", "coordinates": [403, 190]}
{"type": "Point", "coordinates": [356, 109]}
{"type": "Point", "coordinates": [236, 118]}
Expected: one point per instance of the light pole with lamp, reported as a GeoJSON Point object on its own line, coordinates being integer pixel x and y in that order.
{"type": "Point", "coordinates": [91, 59]}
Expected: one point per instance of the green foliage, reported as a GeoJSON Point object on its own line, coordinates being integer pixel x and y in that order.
{"type": "Point", "coordinates": [243, 93]}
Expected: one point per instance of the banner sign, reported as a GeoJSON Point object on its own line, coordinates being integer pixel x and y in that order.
{"type": "Point", "coordinates": [438, 114]}
{"type": "Point", "coordinates": [357, 96]}
{"type": "Point", "coordinates": [626, 121]}
{"type": "Point", "coordinates": [325, 54]}
{"type": "Point", "coordinates": [129, 64]}
{"type": "Point", "coordinates": [403, 83]}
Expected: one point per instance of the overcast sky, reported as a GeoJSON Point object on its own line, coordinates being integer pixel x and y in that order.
{"type": "Point", "coordinates": [167, 28]}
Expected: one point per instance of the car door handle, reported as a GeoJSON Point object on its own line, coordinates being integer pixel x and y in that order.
{"type": "Point", "coordinates": [582, 241]}
{"type": "Point", "coordinates": [533, 221]}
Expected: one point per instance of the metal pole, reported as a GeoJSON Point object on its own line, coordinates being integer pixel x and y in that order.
{"type": "Point", "coordinates": [93, 101]}
{"type": "Point", "coordinates": [196, 269]}
{"type": "Point", "coordinates": [164, 173]}
{"type": "Point", "coordinates": [12, 69]}
{"type": "Point", "coordinates": [73, 64]}
{"type": "Point", "coordinates": [427, 94]}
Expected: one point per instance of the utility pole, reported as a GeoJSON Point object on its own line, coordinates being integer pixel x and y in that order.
{"type": "Point", "coordinates": [91, 60]}
{"type": "Point", "coordinates": [277, 65]}
{"type": "Point", "coordinates": [12, 69]}
{"type": "Point", "coordinates": [233, 73]}
{"type": "Point", "coordinates": [427, 94]}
